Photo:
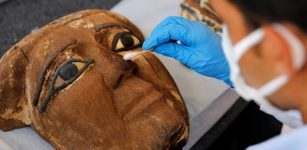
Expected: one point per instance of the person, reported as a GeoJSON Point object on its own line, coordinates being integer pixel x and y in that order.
{"type": "Point", "coordinates": [262, 55]}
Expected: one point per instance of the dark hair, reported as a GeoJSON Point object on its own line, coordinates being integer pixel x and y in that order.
{"type": "Point", "coordinates": [258, 12]}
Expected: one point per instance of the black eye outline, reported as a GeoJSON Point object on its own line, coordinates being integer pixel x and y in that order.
{"type": "Point", "coordinates": [118, 37]}
{"type": "Point", "coordinates": [53, 90]}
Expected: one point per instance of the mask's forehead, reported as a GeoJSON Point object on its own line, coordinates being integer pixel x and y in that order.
{"type": "Point", "coordinates": [94, 20]}
{"type": "Point", "coordinates": [88, 20]}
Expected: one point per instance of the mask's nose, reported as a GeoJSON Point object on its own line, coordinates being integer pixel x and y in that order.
{"type": "Point", "coordinates": [114, 68]}
{"type": "Point", "coordinates": [129, 70]}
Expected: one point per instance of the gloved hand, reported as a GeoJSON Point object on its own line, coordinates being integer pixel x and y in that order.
{"type": "Point", "coordinates": [199, 47]}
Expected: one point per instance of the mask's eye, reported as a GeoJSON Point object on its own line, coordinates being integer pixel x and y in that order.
{"type": "Point", "coordinates": [64, 75]}
{"type": "Point", "coordinates": [69, 71]}
{"type": "Point", "coordinates": [125, 41]}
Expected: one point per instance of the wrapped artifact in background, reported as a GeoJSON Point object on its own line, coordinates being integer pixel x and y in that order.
{"type": "Point", "coordinates": [201, 10]}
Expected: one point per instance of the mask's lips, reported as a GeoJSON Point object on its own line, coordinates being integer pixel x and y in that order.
{"type": "Point", "coordinates": [144, 104]}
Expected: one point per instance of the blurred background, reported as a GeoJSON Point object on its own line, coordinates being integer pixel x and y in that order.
{"type": "Point", "coordinates": [19, 17]}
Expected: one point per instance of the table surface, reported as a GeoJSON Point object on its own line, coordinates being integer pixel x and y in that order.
{"type": "Point", "coordinates": [207, 99]}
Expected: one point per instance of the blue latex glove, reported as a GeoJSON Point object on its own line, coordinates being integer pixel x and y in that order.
{"type": "Point", "coordinates": [200, 48]}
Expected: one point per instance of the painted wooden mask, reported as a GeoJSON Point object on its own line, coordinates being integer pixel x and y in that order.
{"type": "Point", "coordinates": [68, 81]}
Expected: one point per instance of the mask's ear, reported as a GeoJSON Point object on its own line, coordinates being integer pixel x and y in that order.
{"type": "Point", "coordinates": [14, 111]}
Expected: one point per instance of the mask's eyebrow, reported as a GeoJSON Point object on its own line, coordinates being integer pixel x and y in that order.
{"type": "Point", "coordinates": [50, 59]}
{"type": "Point", "coordinates": [110, 25]}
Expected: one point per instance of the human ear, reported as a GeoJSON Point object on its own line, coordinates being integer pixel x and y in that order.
{"type": "Point", "coordinates": [274, 49]}
{"type": "Point", "coordinates": [14, 111]}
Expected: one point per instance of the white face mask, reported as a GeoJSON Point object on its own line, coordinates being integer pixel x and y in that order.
{"type": "Point", "coordinates": [234, 53]}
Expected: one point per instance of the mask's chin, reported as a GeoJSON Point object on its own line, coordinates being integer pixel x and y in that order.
{"type": "Point", "coordinates": [178, 138]}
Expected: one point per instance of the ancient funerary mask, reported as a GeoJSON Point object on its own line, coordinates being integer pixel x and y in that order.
{"type": "Point", "coordinates": [69, 82]}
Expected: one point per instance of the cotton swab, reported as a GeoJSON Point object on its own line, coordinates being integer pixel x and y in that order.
{"type": "Point", "coordinates": [132, 55]}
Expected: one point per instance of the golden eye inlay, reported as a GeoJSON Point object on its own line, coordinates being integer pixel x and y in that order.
{"type": "Point", "coordinates": [60, 81]}
{"type": "Point", "coordinates": [125, 41]}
